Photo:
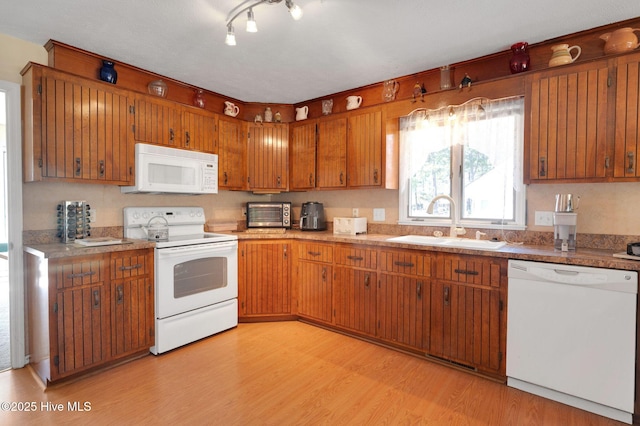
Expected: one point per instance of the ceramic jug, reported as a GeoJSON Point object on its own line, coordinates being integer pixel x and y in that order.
{"type": "Point", "coordinates": [231, 109]}
{"type": "Point", "coordinates": [620, 41]}
{"type": "Point", "coordinates": [562, 54]}
{"type": "Point", "coordinates": [353, 102]}
{"type": "Point", "coordinates": [301, 113]}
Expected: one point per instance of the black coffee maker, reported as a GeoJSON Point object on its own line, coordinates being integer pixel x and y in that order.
{"type": "Point", "coordinates": [312, 217]}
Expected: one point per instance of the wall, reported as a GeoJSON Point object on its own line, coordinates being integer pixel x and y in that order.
{"type": "Point", "coordinates": [604, 208]}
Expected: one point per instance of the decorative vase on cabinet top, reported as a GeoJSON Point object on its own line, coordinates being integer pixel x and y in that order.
{"type": "Point", "coordinates": [562, 54]}
{"type": "Point", "coordinates": [198, 98]}
{"type": "Point", "coordinates": [520, 60]}
{"type": "Point", "coordinates": [108, 72]}
{"type": "Point", "coordinates": [620, 41]}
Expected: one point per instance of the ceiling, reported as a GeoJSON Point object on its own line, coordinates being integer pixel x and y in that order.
{"type": "Point", "coordinates": [337, 45]}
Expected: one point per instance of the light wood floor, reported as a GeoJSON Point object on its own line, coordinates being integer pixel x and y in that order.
{"type": "Point", "coordinates": [286, 373]}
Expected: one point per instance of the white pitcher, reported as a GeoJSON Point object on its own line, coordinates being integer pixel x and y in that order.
{"type": "Point", "coordinates": [231, 109]}
{"type": "Point", "coordinates": [301, 113]}
{"type": "Point", "coordinates": [353, 102]}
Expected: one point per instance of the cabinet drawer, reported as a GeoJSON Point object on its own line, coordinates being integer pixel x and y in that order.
{"type": "Point", "coordinates": [477, 270]}
{"type": "Point", "coordinates": [357, 257]}
{"type": "Point", "coordinates": [130, 264]}
{"type": "Point", "coordinates": [315, 252]}
{"type": "Point", "coordinates": [406, 262]}
{"type": "Point", "coordinates": [79, 271]}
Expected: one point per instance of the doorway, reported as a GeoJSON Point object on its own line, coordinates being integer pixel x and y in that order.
{"type": "Point", "coordinates": [12, 300]}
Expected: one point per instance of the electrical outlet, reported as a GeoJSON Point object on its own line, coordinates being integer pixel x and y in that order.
{"type": "Point", "coordinates": [378, 215]}
{"type": "Point", "coordinates": [544, 218]}
{"type": "Point", "coordinates": [92, 216]}
{"type": "Point", "coordinates": [355, 212]}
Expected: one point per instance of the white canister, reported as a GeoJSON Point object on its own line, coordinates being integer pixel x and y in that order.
{"type": "Point", "coordinates": [301, 113]}
{"type": "Point", "coordinates": [354, 102]}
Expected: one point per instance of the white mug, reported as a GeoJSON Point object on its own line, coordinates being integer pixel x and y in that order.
{"type": "Point", "coordinates": [301, 113]}
{"type": "Point", "coordinates": [231, 109]}
{"type": "Point", "coordinates": [353, 102]}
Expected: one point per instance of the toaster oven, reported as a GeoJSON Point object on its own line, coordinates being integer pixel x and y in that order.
{"type": "Point", "coordinates": [273, 214]}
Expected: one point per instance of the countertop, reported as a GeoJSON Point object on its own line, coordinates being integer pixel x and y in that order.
{"type": "Point", "coordinates": [59, 250]}
{"type": "Point", "coordinates": [581, 256]}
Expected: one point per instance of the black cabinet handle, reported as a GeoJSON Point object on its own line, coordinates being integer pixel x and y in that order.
{"type": "Point", "coordinates": [341, 178]}
{"type": "Point", "coordinates": [225, 178]}
{"type": "Point", "coordinates": [129, 268]}
{"type": "Point", "coordinates": [465, 272]}
{"type": "Point", "coordinates": [375, 176]}
{"type": "Point", "coordinates": [314, 253]}
{"type": "Point", "coordinates": [404, 264]}
{"type": "Point", "coordinates": [367, 278]}
{"type": "Point", "coordinates": [78, 166]}
{"type": "Point", "coordinates": [543, 171]}
{"type": "Point", "coordinates": [419, 290]}
{"type": "Point", "coordinates": [120, 295]}
{"type": "Point", "coordinates": [101, 168]}
{"type": "Point", "coordinates": [187, 138]}
{"type": "Point", "coordinates": [172, 135]}
{"type": "Point", "coordinates": [630, 165]}
{"type": "Point", "coordinates": [446, 295]}
{"type": "Point", "coordinates": [81, 275]}
{"type": "Point", "coordinates": [96, 299]}
{"type": "Point", "coordinates": [358, 258]}
{"type": "Point", "coordinates": [324, 273]}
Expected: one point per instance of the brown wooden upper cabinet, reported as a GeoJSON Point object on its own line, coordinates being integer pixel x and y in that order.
{"type": "Point", "coordinates": [162, 122]}
{"type": "Point", "coordinates": [627, 130]}
{"type": "Point", "coordinates": [343, 151]}
{"type": "Point", "coordinates": [268, 157]}
{"type": "Point", "coordinates": [302, 151]}
{"type": "Point", "coordinates": [567, 137]}
{"type": "Point", "coordinates": [232, 154]}
{"type": "Point", "coordinates": [75, 129]}
{"type": "Point", "coordinates": [582, 122]}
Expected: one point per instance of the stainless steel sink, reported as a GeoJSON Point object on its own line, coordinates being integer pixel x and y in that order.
{"type": "Point", "coordinates": [426, 240]}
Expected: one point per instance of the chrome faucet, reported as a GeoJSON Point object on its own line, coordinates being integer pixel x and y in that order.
{"type": "Point", "coordinates": [453, 230]}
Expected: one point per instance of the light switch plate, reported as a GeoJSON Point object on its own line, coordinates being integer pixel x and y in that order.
{"type": "Point", "coordinates": [378, 215]}
{"type": "Point", "coordinates": [544, 218]}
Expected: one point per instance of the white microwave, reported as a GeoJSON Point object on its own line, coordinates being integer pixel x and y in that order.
{"type": "Point", "coordinates": [169, 170]}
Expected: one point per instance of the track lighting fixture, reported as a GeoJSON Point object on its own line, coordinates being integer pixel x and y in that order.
{"type": "Point", "coordinates": [252, 27]}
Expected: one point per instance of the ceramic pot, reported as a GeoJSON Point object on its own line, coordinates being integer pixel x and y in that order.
{"type": "Point", "coordinates": [353, 102]}
{"type": "Point", "coordinates": [620, 41]}
{"type": "Point", "coordinates": [108, 72]}
{"type": "Point", "coordinates": [520, 60]}
{"type": "Point", "coordinates": [301, 113]}
{"type": "Point", "coordinates": [231, 109]}
{"type": "Point", "coordinates": [562, 54]}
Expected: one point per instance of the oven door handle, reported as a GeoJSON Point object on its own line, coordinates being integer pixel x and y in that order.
{"type": "Point", "coordinates": [209, 248]}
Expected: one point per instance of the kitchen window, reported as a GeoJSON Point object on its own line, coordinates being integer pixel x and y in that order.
{"type": "Point", "coordinates": [471, 153]}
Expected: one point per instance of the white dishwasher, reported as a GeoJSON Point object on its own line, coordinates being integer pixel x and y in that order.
{"type": "Point", "coordinates": [571, 335]}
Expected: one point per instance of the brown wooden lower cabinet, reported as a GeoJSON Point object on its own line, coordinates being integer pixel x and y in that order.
{"type": "Point", "coordinates": [355, 300]}
{"type": "Point", "coordinates": [403, 310]}
{"type": "Point", "coordinates": [468, 312]}
{"type": "Point", "coordinates": [85, 312]}
{"type": "Point", "coordinates": [265, 289]}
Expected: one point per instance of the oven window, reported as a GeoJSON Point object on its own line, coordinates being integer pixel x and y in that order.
{"type": "Point", "coordinates": [199, 275]}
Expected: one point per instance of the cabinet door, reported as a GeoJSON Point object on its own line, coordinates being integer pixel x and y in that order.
{"type": "Point", "coordinates": [303, 156]}
{"type": "Point", "coordinates": [403, 310]}
{"type": "Point", "coordinates": [157, 122]}
{"type": "Point", "coordinates": [199, 131]}
{"type": "Point", "coordinates": [231, 154]}
{"type": "Point", "coordinates": [332, 153]}
{"type": "Point", "coordinates": [132, 299]}
{"type": "Point", "coordinates": [355, 299]}
{"type": "Point", "coordinates": [315, 291]}
{"type": "Point", "coordinates": [268, 157]}
{"type": "Point", "coordinates": [80, 326]}
{"type": "Point", "coordinates": [364, 149]}
{"type": "Point", "coordinates": [467, 326]}
{"type": "Point", "coordinates": [267, 288]}
{"type": "Point", "coordinates": [86, 133]}
{"type": "Point", "coordinates": [627, 130]}
{"type": "Point", "coordinates": [567, 137]}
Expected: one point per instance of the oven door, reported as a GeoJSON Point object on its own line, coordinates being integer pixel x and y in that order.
{"type": "Point", "coordinates": [192, 277]}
